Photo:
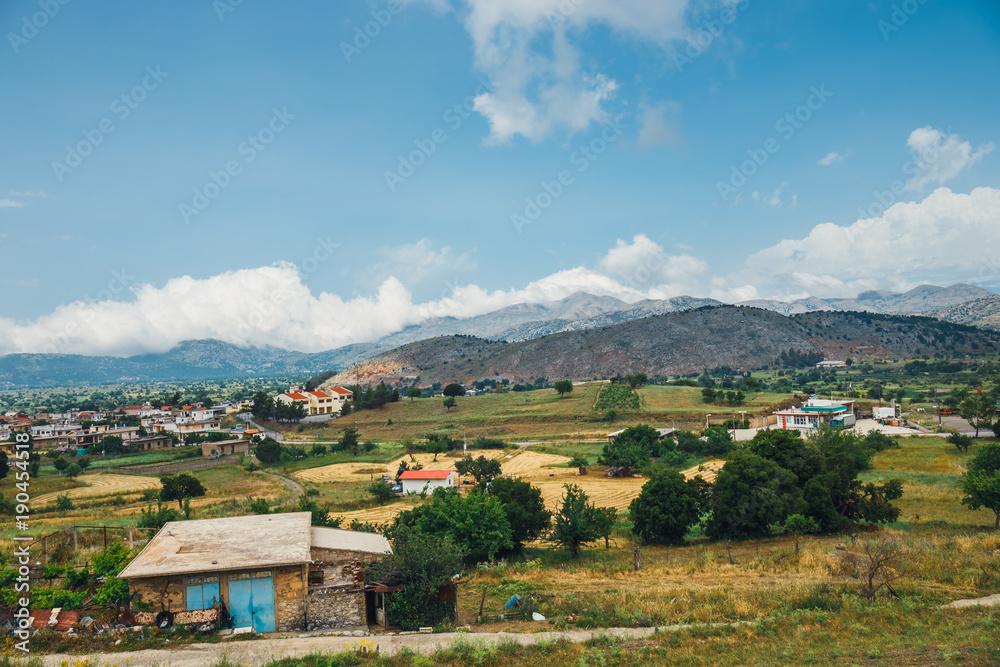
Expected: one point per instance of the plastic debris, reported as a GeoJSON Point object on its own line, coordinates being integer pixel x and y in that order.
{"type": "Point", "coordinates": [536, 616]}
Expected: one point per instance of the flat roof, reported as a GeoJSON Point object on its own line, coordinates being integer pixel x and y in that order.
{"type": "Point", "coordinates": [350, 540]}
{"type": "Point", "coordinates": [824, 408]}
{"type": "Point", "coordinates": [218, 545]}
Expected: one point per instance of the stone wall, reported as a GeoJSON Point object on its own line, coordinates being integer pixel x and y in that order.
{"type": "Point", "coordinates": [160, 593]}
{"type": "Point", "coordinates": [336, 607]}
{"type": "Point", "coordinates": [289, 597]}
{"type": "Point", "coordinates": [338, 564]}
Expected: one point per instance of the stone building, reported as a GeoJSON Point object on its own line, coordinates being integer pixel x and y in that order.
{"type": "Point", "coordinates": [273, 572]}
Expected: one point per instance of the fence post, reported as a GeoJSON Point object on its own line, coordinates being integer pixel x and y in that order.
{"type": "Point", "coordinates": [105, 531]}
{"type": "Point", "coordinates": [131, 544]}
{"type": "Point", "coordinates": [76, 544]}
{"type": "Point", "coordinates": [45, 559]}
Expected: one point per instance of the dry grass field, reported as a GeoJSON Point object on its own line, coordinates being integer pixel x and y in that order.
{"type": "Point", "coordinates": [97, 486]}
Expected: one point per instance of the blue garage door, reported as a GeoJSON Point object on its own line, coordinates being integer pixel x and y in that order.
{"type": "Point", "coordinates": [251, 600]}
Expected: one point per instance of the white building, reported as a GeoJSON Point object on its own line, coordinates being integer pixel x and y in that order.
{"type": "Point", "coordinates": [418, 481]}
{"type": "Point", "coordinates": [817, 411]}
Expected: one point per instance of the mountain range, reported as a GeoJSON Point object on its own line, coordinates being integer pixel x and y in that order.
{"type": "Point", "coordinates": [206, 359]}
{"type": "Point", "coordinates": [689, 341]}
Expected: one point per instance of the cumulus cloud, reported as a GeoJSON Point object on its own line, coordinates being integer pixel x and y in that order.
{"type": "Point", "coordinates": [939, 157]}
{"type": "Point", "coordinates": [831, 158]}
{"type": "Point", "coordinates": [943, 238]}
{"type": "Point", "coordinates": [10, 203]}
{"type": "Point", "coordinates": [948, 237]}
{"type": "Point", "coordinates": [660, 125]}
{"type": "Point", "coordinates": [530, 48]}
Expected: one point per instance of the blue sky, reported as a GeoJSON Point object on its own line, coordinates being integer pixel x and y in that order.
{"type": "Point", "coordinates": [117, 252]}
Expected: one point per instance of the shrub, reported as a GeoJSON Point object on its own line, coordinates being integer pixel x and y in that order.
{"type": "Point", "coordinates": [667, 507]}
{"type": "Point", "coordinates": [63, 503]}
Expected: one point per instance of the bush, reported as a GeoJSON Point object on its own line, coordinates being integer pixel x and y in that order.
{"type": "Point", "coordinates": [158, 518]}
{"type": "Point", "coordinates": [667, 507]}
{"type": "Point", "coordinates": [268, 451]}
{"type": "Point", "coordinates": [962, 442]}
{"type": "Point", "coordinates": [750, 494]}
{"type": "Point", "coordinates": [63, 503]}
{"type": "Point", "coordinates": [525, 510]}
{"type": "Point", "coordinates": [380, 492]}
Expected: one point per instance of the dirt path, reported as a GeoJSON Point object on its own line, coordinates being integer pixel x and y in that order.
{"type": "Point", "coordinates": [988, 601]}
{"type": "Point", "coordinates": [296, 488]}
{"type": "Point", "coordinates": [258, 652]}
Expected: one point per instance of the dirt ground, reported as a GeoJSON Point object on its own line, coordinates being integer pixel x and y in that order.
{"type": "Point", "coordinates": [604, 491]}
{"type": "Point", "coordinates": [258, 652]}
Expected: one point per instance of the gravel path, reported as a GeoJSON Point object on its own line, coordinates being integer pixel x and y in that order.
{"type": "Point", "coordinates": [258, 652]}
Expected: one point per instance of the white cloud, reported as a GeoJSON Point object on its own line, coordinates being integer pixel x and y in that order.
{"type": "Point", "coordinates": [416, 262]}
{"type": "Point", "coordinates": [939, 158]}
{"type": "Point", "coordinates": [831, 158]}
{"type": "Point", "coordinates": [529, 47]}
{"type": "Point", "coordinates": [948, 237]}
{"type": "Point", "coordinates": [10, 203]}
{"type": "Point", "coordinates": [660, 125]}
{"type": "Point", "coordinates": [774, 199]}
{"type": "Point", "coordinates": [945, 238]}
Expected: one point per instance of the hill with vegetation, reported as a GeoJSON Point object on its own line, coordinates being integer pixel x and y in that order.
{"type": "Point", "coordinates": [677, 343]}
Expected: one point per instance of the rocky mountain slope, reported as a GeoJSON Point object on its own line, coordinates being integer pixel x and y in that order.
{"type": "Point", "coordinates": [681, 342]}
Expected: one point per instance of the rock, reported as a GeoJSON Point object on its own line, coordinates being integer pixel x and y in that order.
{"type": "Point", "coordinates": [359, 633]}
{"type": "Point", "coordinates": [535, 616]}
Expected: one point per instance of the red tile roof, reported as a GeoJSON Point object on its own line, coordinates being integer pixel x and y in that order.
{"type": "Point", "coordinates": [340, 390]}
{"type": "Point", "coordinates": [319, 394]}
{"type": "Point", "coordinates": [426, 474]}
{"type": "Point", "coordinates": [297, 396]}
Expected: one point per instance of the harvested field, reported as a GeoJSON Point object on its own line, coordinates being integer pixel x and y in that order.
{"type": "Point", "coordinates": [617, 492]}
{"type": "Point", "coordinates": [520, 463]}
{"type": "Point", "coordinates": [103, 485]}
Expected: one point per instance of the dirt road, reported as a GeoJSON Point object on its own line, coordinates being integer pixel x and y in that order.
{"type": "Point", "coordinates": [258, 652]}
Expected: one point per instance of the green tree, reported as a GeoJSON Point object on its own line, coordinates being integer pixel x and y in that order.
{"type": "Point", "coordinates": [3, 465]}
{"type": "Point", "coordinates": [263, 406]}
{"type": "Point", "coordinates": [962, 442]}
{"type": "Point", "coordinates": [436, 447]}
{"type": "Point", "coordinates": [449, 403]}
{"type": "Point", "coordinates": [476, 522]}
{"type": "Point", "coordinates": [718, 441]}
{"type": "Point", "coordinates": [605, 519]}
{"type": "Point", "coordinates": [579, 461]}
{"type": "Point", "coordinates": [349, 440]}
{"type": "Point", "coordinates": [453, 389]}
{"type": "Point", "coordinates": [181, 486]}
{"type": "Point", "coordinates": [380, 491]}
{"type": "Point", "coordinates": [525, 510]}
{"type": "Point", "coordinates": [73, 470]}
{"type": "Point", "coordinates": [667, 507]}
{"type": "Point", "coordinates": [60, 464]}
{"type": "Point", "coordinates": [320, 515]}
{"type": "Point", "coordinates": [630, 449]}
{"type": "Point", "coordinates": [978, 409]}
{"type": "Point", "coordinates": [268, 451]}
{"type": "Point", "coordinates": [109, 444]}
{"type": "Point", "coordinates": [577, 522]}
{"type": "Point", "coordinates": [63, 503]}
{"type": "Point", "coordinates": [751, 493]}
{"type": "Point", "coordinates": [981, 482]}
{"type": "Point", "coordinates": [420, 563]}
{"type": "Point", "coordinates": [412, 393]}
{"type": "Point", "coordinates": [563, 387]}
{"type": "Point", "coordinates": [481, 468]}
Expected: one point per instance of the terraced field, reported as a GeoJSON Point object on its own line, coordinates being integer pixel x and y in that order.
{"type": "Point", "coordinates": [103, 485]}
